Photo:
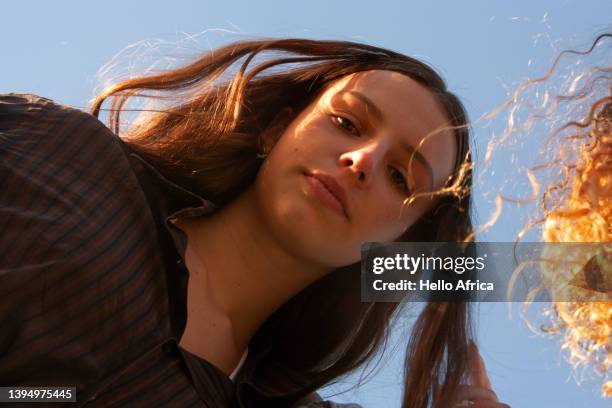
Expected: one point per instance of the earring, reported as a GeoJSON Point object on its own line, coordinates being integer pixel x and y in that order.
{"type": "Point", "coordinates": [262, 155]}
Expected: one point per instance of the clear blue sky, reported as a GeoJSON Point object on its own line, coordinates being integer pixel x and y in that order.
{"type": "Point", "coordinates": [482, 48]}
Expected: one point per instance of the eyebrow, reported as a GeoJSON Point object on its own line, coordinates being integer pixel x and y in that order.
{"type": "Point", "coordinates": [374, 111]}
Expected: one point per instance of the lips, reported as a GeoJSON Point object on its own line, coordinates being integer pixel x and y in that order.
{"type": "Point", "coordinates": [333, 187]}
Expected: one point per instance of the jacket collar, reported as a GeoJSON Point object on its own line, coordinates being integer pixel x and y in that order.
{"type": "Point", "coordinates": [172, 201]}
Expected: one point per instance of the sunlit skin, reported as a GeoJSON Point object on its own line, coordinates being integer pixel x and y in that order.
{"type": "Point", "coordinates": [246, 260]}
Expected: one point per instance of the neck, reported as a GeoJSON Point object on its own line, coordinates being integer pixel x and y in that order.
{"type": "Point", "coordinates": [241, 269]}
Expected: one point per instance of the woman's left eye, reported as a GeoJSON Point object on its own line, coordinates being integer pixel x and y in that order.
{"type": "Point", "coordinates": [346, 124]}
{"type": "Point", "coordinates": [400, 181]}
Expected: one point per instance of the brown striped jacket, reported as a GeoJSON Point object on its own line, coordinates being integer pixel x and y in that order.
{"type": "Point", "coordinates": [92, 274]}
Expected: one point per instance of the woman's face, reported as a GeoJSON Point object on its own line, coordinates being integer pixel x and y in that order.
{"type": "Point", "coordinates": [360, 131]}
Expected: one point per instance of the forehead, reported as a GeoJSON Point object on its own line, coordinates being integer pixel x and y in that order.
{"type": "Point", "coordinates": [411, 114]}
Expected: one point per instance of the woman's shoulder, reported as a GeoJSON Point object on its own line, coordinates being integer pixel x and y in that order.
{"type": "Point", "coordinates": [61, 167]}
{"type": "Point", "coordinates": [30, 104]}
{"type": "Point", "coordinates": [30, 117]}
{"type": "Point", "coordinates": [55, 139]}
{"type": "Point", "coordinates": [20, 103]}
{"type": "Point", "coordinates": [24, 104]}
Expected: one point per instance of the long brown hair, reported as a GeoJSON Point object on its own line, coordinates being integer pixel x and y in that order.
{"type": "Point", "coordinates": [208, 141]}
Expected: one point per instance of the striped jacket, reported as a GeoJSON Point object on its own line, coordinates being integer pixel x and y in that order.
{"type": "Point", "coordinates": [93, 283]}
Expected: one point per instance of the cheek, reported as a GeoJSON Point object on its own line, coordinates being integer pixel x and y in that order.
{"type": "Point", "coordinates": [389, 222]}
{"type": "Point", "coordinates": [383, 220]}
{"type": "Point", "coordinates": [298, 144]}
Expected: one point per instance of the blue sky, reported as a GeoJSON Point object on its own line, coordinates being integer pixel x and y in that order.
{"type": "Point", "coordinates": [482, 48]}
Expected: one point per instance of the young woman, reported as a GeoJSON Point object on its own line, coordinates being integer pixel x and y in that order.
{"type": "Point", "coordinates": [210, 256]}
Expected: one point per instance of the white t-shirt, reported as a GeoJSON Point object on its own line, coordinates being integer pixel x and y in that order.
{"type": "Point", "coordinates": [239, 366]}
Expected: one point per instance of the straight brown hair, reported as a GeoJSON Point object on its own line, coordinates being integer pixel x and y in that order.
{"type": "Point", "coordinates": [207, 138]}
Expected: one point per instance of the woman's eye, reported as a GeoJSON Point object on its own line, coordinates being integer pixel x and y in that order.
{"type": "Point", "coordinates": [399, 181]}
{"type": "Point", "coordinates": [397, 177]}
{"type": "Point", "coordinates": [346, 124]}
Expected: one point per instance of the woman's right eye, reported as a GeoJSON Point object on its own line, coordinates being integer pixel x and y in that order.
{"type": "Point", "coordinates": [346, 124]}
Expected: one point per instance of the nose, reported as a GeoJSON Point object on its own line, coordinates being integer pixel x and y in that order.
{"type": "Point", "coordinates": [362, 161]}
